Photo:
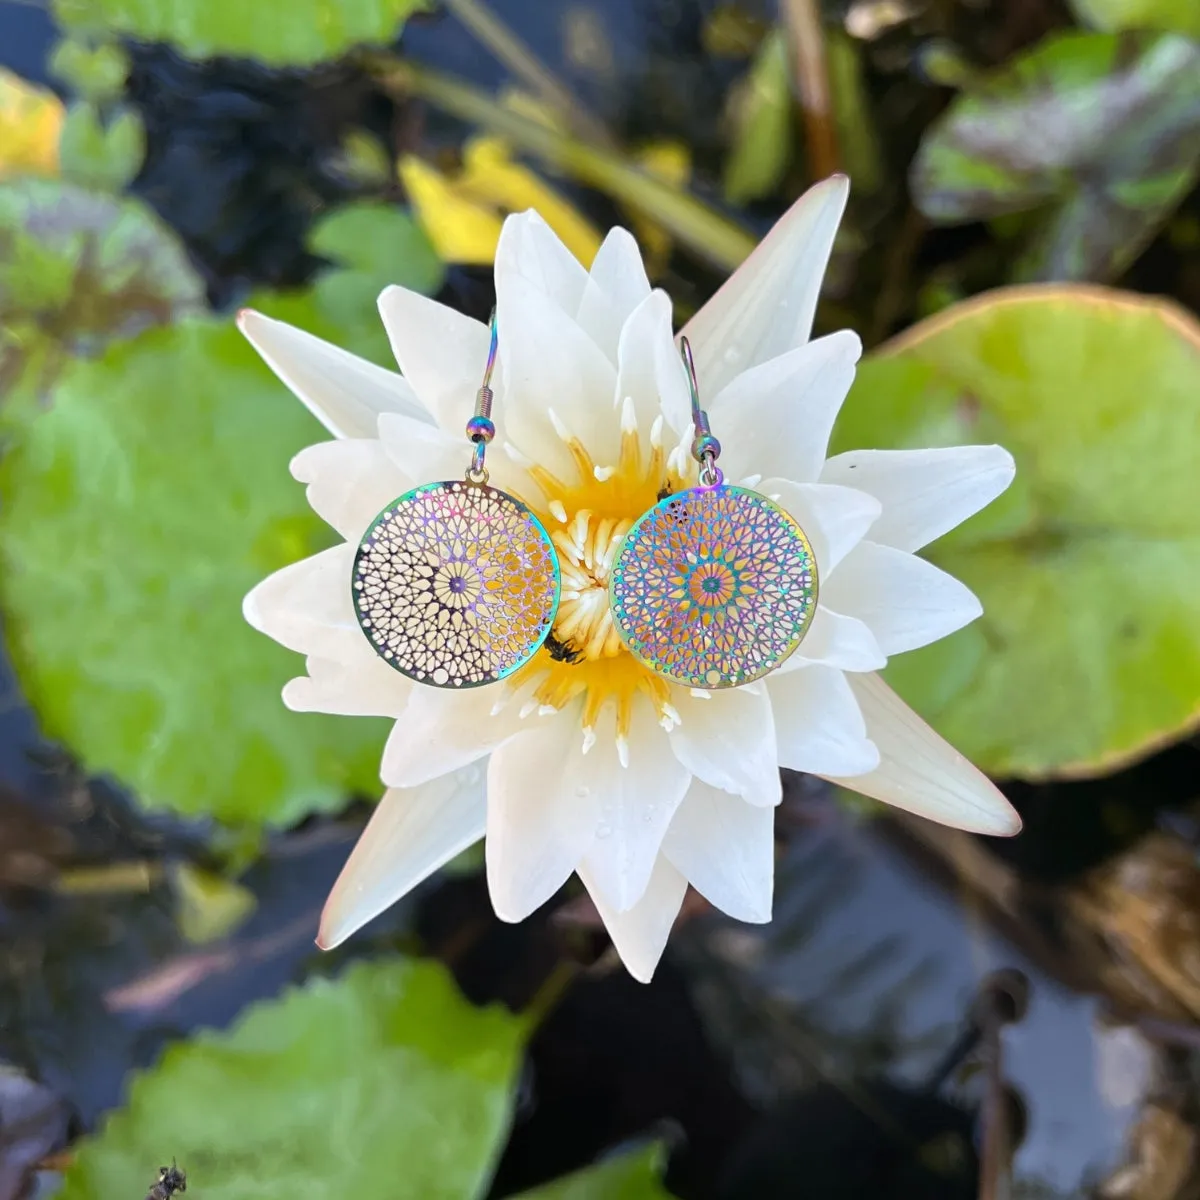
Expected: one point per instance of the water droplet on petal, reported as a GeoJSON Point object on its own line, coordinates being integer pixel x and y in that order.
{"type": "Point", "coordinates": [603, 830]}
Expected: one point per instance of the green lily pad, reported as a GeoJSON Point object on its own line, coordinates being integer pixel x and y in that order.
{"type": "Point", "coordinates": [634, 1176]}
{"type": "Point", "coordinates": [383, 1083]}
{"type": "Point", "coordinates": [280, 32]}
{"type": "Point", "coordinates": [77, 270]}
{"type": "Point", "coordinates": [1088, 652]}
{"type": "Point", "coordinates": [135, 515]}
{"type": "Point", "coordinates": [1115, 148]}
{"type": "Point", "coordinates": [1173, 16]}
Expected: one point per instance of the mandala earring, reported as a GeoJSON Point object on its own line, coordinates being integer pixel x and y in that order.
{"type": "Point", "coordinates": [715, 586]}
{"type": "Point", "coordinates": [456, 583]}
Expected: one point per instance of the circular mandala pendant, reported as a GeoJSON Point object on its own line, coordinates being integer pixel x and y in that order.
{"type": "Point", "coordinates": [714, 587]}
{"type": "Point", "coordinates": [456, 584]}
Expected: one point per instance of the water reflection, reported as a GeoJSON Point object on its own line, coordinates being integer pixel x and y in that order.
{"type": "Point", "coordinates": [869, 971]}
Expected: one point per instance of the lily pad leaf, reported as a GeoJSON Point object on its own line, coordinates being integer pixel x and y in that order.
{"type": "Point", "coordinates": [384, 1082]}
{"type": "Point", "coordinates": [1103, 129]}
{"type": "Point", "coordinates": [102, 153]}
{"type": "Point", "coordinates": [369, 246]}
{"type": "Point", "coordinates": [135, 515]}
{"type": "Point", "coordinates": [633, 1176]}
{"type": "Point", "coordinates": [1175, 16]}
{"type": "Point", "coordinates": [281, 32]}
{"type": "Point", "coordinates": [1088, 652]}
{"type": "Point", "coordinates": [77, 270]}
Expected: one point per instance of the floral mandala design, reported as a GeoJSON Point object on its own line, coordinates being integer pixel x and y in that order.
{"type": "Point", "coordinates": [456, 584]}
{"type": "Point", "coordinates": [714, 587]}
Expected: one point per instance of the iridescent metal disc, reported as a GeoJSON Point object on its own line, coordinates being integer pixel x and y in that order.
{"type": "Point", "coordinates": [714, 587]}
{"type": "Point", "coordinates": [456, 584]}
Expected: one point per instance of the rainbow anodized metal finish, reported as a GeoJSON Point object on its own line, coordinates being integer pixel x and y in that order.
{"type": "Point", "coordinates": [714, 587]}
{"type": "Point", "coordinates": [456, 584]}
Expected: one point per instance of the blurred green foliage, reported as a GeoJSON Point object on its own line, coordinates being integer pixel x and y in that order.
{"type": "Point", "coordinates": [282, 32]}
{"type": "Point", "coordinates": [371, 245]}
{"type": "Point", "coordinates": [94, 71]}
{"type": "Point", "coordinates": [155, 493]}
{"type": "Point", "coordinates": [150, 477]}
{"type": "Point", "coordinates": [101, 150]}
{"type": "Point", "coordinates": [79, 269]}
{"type": "Point", "coordinates": [1178, 16]}
{"type": "Point", "coordinates": [633, 1176]}
{"type": "Point", "coordinates": [1088, 567]}
{"type": "Point", "coordinates": [1103, 130]}
{"type": "Point", "coordinates": [761, 136]}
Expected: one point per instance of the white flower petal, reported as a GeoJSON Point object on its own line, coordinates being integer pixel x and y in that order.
{"type": "Point", "coordinates": [442, 730]}
{"type": "Point", "coordinates": [426, 453]}
{"type": "Point", "coordinates": [728, 740]}
{"type": "Point", "coordinates": [835, 640]}
{"type": "Point", "coordinates": [358, 685]}
{"type": "Point", "coordinates": [307, 607]}
{"type": "Point", "coordinates": [650, 371]}
{"type": "Point", "coordinates": [905, 601]}
{"type": "Point", "coordinates": [835, 518]}
{"type": "Point", "coordinates": [819, 725]}
{"type": "Point", "coordinates": [542, 814]}
{"type": "Point", "coordinates": [616, 285]}
{"type": "Point", "coordinates": [726, 850]}
{"type": "Point", "coordinates": [412, 833]}
{"type": "Point", "coordinates": [925, 493]}
{"type": "Point", "coordinates": [351, 481]}
{"type": "Point", "coordinates": [423, 453]}
{"type": "Point", "coordinates": [441, 354]}
{"type": "Point", "coordinates": [920, 772]}
{"type": "Point", "coordinates": [637, 803]}
{"type": "Point", "coordinates": [553, 366]}
{"type": "Point", "coordinates": [766, 307]}
{"type": "Point", "coordinates": [775, 419]}
{"type": "Point", "coordinates": [640, 934]}
{"type": "Point", "coordinates": [344, 392]}
{"type": "Point", "coordinates": [530, 249]}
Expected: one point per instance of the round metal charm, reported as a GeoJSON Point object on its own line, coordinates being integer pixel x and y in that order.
{"type": "Point", "coordinates": [456, 584]}
{"type": "Point", "coordinates": [714, 587]}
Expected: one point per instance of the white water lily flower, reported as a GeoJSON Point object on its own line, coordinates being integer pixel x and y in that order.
{"type": "Point", "coordinates": [598, 767]}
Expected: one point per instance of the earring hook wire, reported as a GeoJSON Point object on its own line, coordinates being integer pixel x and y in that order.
{"type": "Point", "coordinates": [705, 448]}
{"type": "Point", "coordinates": [480, 428]}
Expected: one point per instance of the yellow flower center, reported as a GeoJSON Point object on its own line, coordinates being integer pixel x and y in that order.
{"type": "Point", "coordinates": [587, 518]}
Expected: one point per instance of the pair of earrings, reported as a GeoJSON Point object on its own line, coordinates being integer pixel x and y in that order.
{"type": "Point", "coordinates": [457, 584]}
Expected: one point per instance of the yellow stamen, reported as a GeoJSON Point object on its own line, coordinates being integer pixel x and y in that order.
{"type": "Point", "coordinates": [588, 519]}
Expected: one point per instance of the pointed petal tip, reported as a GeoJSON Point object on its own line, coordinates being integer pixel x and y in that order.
{"type": "Point", "coordinates": [1002, 821]}
{"type": "Point", "coordinates": [329, 935]}
{"type": "Point", "coordinates": [837, 184]}
{"type": "Point", "coordinates": [250, 321]}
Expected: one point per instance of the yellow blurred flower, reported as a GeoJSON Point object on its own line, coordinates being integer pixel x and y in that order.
{"type": "Point", "coordinates": [463, 213]}
{"type": "Point", "coordinates": [31, 121]}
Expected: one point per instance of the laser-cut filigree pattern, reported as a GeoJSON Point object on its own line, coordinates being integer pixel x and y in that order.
{"type": "Point", "coordinates": [456, 584]}
{"type": "Point", "coordinates": [714, 587]}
